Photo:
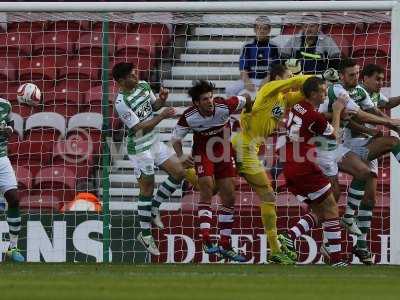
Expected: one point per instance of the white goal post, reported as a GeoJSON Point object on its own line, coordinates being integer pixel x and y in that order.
{"type": "Point", "coordinates": [253, 7]}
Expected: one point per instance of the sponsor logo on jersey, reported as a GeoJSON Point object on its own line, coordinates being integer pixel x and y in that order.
{"type": "Point", "coordinates": [144, 110]}
{"type": "Point", "coordinates": [277, 112]}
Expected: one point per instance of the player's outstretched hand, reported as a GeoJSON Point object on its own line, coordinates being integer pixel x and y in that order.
{"type": "Point", "coordinates": [163, 94]}
{"type": "Point", "coordinates": [168, 112]}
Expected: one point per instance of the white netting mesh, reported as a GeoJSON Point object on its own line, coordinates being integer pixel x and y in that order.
{"type": "Point", "coordinates": [62, 54]}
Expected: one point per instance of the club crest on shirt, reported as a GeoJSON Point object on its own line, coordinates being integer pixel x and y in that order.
{"type": "Point", "coordinates": [277, 112]}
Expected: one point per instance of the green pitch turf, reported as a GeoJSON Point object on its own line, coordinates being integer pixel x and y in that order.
{"type": "Point", "coordinates": [191, 282]}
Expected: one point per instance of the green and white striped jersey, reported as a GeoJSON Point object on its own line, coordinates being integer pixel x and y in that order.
{"type": "Point", "coordinates": [135, 107]}
{"type": "Point", "coordinates": [378, 99]}
{"type": "Point", "coordinates": [356, 97]}
{"type": "Point", "coordinates": [5, 110]}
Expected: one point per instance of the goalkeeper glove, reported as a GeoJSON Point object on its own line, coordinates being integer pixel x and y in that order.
{"type": "Point", "coordinates": [331, 75]}
{"type": "Point", "coordinates": [294, 66]}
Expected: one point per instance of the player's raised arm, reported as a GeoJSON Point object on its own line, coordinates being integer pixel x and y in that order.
{"type": "Point", "coordinates": [180, 131]}
{"type": "Point", "coordinates": [161, 99]}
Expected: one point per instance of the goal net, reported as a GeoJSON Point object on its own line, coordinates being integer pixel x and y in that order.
{"type": "Point", "coordinates": [69, 154]}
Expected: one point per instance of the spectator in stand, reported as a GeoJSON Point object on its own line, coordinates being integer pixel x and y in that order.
{"type": "Point", "coordinates": [255, 59]}
{"type": "Point", "coordinates": [315, 50]}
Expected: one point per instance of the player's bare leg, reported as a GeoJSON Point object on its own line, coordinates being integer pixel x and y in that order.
{"type": "Point", "coordinates": [260, 184]}
{"type": "Point", "coordinates": [226, 188]}
{"type": "Point", "coordinates": [206, 186]}
{"type": "Point", "coordinates": [14, 224]}
{"type": "Point", "coordinates": [146, 186]}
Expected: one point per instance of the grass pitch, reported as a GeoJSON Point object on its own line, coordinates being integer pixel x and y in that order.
{"type": "Point", "coordinates": [191, 282]}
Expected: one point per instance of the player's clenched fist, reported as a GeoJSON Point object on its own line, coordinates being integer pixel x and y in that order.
{"type": "Point", "coordinates": [168, 112]}
{"type": "Point", "coordinates": [163, 94]}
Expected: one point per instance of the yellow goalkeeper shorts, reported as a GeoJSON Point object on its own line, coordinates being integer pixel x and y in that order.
{"type": "Point", "coordinates": [246, 152]}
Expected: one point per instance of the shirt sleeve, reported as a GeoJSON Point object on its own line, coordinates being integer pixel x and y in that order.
{"type": "Point", "coordinates": [367, 102]}
{"type": "Point", "coordinates": [271, 88]}
{"type": "Point", "coordinates": [243, 62]}
{"type": "Point", "coordinates": [383, 100]}
{"type": "Point", "coordinates": [153, 98]}
{"type": "Point", "coordinates": [332, 48]}
{"type": "Point", "coordinates": [351, 106]}
{"type": "Point", "coordinates": [181, 129]}
{"type": "Point", "coordinates": [127, 116]}
{"type": "Point", "coordinates": [235, 103]}
{"type": "Point", "coordinates": [324, 107]}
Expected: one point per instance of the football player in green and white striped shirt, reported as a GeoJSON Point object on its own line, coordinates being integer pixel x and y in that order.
{"type": "Point", "coordinates": [367, 142]}
{"type": "Point", "coordinates": [135, 104]}
{"type": "Point", "coordinates": [8, 182]}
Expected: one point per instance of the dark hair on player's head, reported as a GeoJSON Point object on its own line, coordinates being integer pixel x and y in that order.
{"type": "Point", "coordinates": [277, 70]}
{"type": "Point", "coordinates": [346, 63]}
{"type": "Point", "coordinates": [312, 84]}
{"type": "Point", "coordinates": [122, 70]}
{"type": "Point", "coordinates": [200, 87]}
{"type": "Point", "coordinates": [372, 69]}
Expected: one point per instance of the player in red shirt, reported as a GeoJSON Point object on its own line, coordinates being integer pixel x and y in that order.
{"type": "Point", "coordinates": [212, 156]}
{"type": "Point", "coordinates": [303, 176]}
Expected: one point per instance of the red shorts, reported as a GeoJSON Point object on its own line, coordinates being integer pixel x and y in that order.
{"type": "Point", "coordinates": [306, 181]}
{"type": "Point", "coordinates": [222, 167]}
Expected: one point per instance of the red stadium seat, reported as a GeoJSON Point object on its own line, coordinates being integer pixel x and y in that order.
{"type": "Point", "coordinates": [94, 96]}
{"type": "Point", "coordinates": [8, 90]}
{"type": "Point", "coordinates": [159, 33]}
{"type": "Point", "coordinates": [91, 43]}
{"type": "Point", "coordinates": [65, 99]}
{"type": "Point", "coordinates": [41, 132]}
{"type": "Point", "coordinates": [40, 201]}
{"type": "Point", "coordinates": [343, 43]}
{"type": "Point", "coordinates": [371, 45]}
{"type": "Point", "coordinates": [82, 67]}
{"type": "Point", "coordinates": [70, 90]}
{"type": "Point", "coordinates": [46, 120]}
{"type": "Point", "coordinates": [41, 70]}
{"type": "Point", "coordinates": [85, 120]}
{"type": "Point", "coordinates": [58, 182]}
{"type": "Point", "coordinates": [134, 45]}
{"type": "Point", "coordinates": [26, 26]}
{"type": "Point", "coordinates": [68, 25]}
{"type": "Point", "coordinates": [290, 29]}
{"type": "Point", "coordinates": [24, 177]}
{"type": "Point", "coordinates": [113, 27]}
{"type": "Point", "coordinates": [15, 44]}
{"type": "Point", "coordinates": [55, 176]}
{"type": "Point", "coordinates": [24, 110]}
{"type": "Point", "coordinates": [137, 49]}
{"type": "Point", "coordinates": [55, 43]}
{"type": "Point", "coordinates": [8, 69]}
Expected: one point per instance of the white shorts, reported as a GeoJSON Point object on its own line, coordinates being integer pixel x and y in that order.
{"type": "Point", "coordinates": [144, 162]}
{"type": "Point", "coordinates": [8, 181]}
{"type": "Point", "coordinates": [328, 160]}
{"type": "Point", "coordinates": [359, 147]}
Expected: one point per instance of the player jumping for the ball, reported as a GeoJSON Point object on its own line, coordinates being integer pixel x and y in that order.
{"type": "Point", "coordinates": [213, 160]}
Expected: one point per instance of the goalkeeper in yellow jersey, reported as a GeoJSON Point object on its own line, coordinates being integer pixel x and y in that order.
{"type": "Point", "coordinates": [272, 100]}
